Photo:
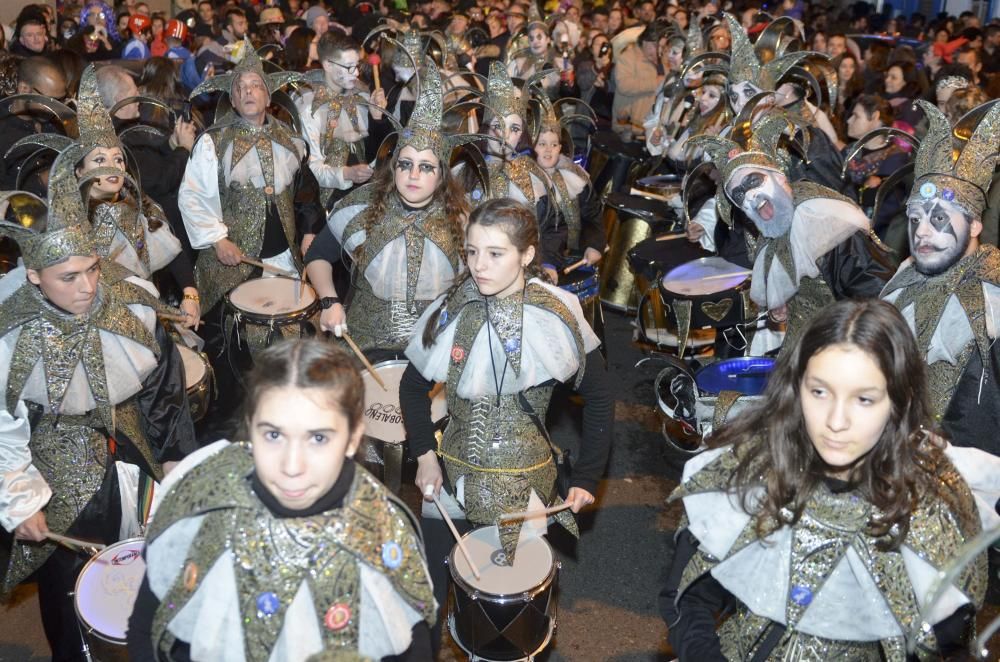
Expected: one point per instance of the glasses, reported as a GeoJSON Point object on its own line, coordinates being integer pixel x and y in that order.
{"type": "Point", "coordinates": [351, 68]}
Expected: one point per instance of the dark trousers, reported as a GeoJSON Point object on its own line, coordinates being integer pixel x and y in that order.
{"type": "Point", "coordinates": [439, 542]}
{"type": "Point", "coordinates": [56, 582]}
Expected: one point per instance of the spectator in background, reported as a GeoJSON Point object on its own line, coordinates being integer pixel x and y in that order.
{"type": "Point", "coordinates": [317, 20]}
{"type": "Point", "coordinates": [836, 45]}
{"type": "Point", "coordinates": [140, 27]}
{"type": "Point", "coordinates": [206, 15]}
{"type": "Point", "coordinates": [31, 33]}
{"type": "Point", "coordinates": [158, 45]}
{"type": "Point", "coordinates": [991, 49]}
{"type": "Point", "coordinates": [236, 26]}
{"type": "Point", "coordinates": [902, 88]}
{"type": "Point", "coordinates": [963, 100]}
{"type": "Point", "coordinates": [972, 58]}
{"type": "Point", "coordinates": [176, 34]}
{"type": "Point", "coordinates": [92, 44]}
{"type": "Point", "coordinates": [298, 50]}
{"type": "Point", "coordinates": [638, 74]}
{"type": "Point", "coordinates": [851, 84]}
{"type": "Point", "coordinates": [72, 65]}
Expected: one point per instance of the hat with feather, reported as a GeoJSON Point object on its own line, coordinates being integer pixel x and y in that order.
{"type": "Point", "coordinates": [249, 64]}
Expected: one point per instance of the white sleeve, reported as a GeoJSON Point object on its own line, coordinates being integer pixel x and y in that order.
{"type": "Point", "coordinates": [199, 199]}
{"type": "Point", "coordinates": [328, 176]}
{"type": "Point", "coordinates": [23, 491]}
{"type": "Point", "coordinates": [707, 219]}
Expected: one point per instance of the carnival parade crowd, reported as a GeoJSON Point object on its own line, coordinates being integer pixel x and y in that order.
{"type": "Point", "coordinates": [263, 259]}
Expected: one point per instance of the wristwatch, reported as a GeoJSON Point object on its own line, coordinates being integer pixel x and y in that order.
{"type": "Point", "coordinates": [328, 302]}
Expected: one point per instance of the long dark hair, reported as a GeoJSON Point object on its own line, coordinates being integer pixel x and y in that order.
{"type": "Point", "coordinates": [307, 363]}
{"type": "Point", "coordinates": [521, 227]}
{"type": "Point", "coordinates": [774, 448]}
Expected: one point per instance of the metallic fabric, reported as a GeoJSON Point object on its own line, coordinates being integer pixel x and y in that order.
{"type": "Point", "coordinates": [502, 96]}
{"type": "Point", "coordinates": [277, 555]}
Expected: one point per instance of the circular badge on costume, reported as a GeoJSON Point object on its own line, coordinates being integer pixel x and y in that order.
{"type": "Point", "coordinates": [190, 576]}
{"type": "Point", "coordinates": [512, 345]}
{"type": "Point", "coordinates": [407, 134]}
{"type": "Point", "coordinates": [734, 152]}
{"type": "Point", "coordinates": [337, 617]}
{"type": "Point", "coordinates": [928, 190]}
{"type": "Point", "coordinates": [443, 318]}
{"type": "Point", "coordinates": [267, 603]}
{"type": "Point", "coordinates": [392, 555]}
{"type": "Point", "coordinates": [801, 595]}
{"type": "Point", "coordinates": [269, 190]}
{"type": "Point", "coordinates": [457, 354]}
{"type": "Point", "coordinates": [948, 194]}
{"type": "Point", "coordinates": [477, 194]}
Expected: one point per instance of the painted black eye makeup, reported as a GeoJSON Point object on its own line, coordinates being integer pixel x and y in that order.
{"type": "Point", "coordinates": [750, 182]}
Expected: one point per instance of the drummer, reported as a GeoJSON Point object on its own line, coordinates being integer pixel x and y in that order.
{"type": "Point", "coordinates": [282, 547]}
{"type": "Point", "coordinates": [95, 407]}
{"type": "Point", "coordinates": [247, 194]}
{"type": "Point", "coordinates": [406, 244]}
{"type": "Point", "coordinates": [576, 223]}
{"type": "Point", "coordinates": [500, 339]}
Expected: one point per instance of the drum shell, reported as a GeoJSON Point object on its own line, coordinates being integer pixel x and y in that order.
{"type": "Point", "coordinates": [722, 309]}
{"type": "Point", "coordinates": [278, 319]}
{"type": "Point", "coordinates": [199, 394]}
{"type": "Point", "coordinates": [634, 219]}
{"type": "Point", "coordinates": [613, 164]}
{"type": "Point", "coordinates": [503, 627]}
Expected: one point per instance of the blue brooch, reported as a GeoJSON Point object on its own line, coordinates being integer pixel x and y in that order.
{"type": "Point", "coordinates": [443, 318]}
{"type": "Point", "coordinates": [267, 603]}
{"type": "Point", "coordinates": [512, 345]}
{"type": "Point", "coordinates": [407, 134]}
{"type": "Point", "coordinates": [927, 190]}
{"type": "Point", "coordinates": [392, 555]}
{"type": "Point", "coordinates": [801, 595]}
{"type": "Point", "coordinates": [477, 194]}
{"type": "Point", "coordinates": [948, 194]}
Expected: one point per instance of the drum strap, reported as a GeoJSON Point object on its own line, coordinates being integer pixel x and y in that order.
{"type": "Point", "coordinates": [774, 634]}
{"type": "Point", "coordinates": [561, 457]}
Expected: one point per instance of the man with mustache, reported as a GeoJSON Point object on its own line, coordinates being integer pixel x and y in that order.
{"type": "Point", "coordinates": [949, 288]}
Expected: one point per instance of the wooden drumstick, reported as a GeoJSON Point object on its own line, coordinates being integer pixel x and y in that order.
{"type": "Point", "coordinates": [429, 491]}
{"type": "Point", "coordinates": [171, 317]}
{"type": "Point", "coordinates": [375, 61]}
{"type": "Point", "coordinates": [361, 357]}
{"type": "Point", "coordinates": [668, 237]}
{"type": "Point", "coordinates": [575, 266]}
{"type": "Point", "coordinates": [270, 268]}
{"type": "Point", "coordinates": [74, 543]}
{"type": "Point", "coordinates": [535, 513]}
{"type": "Point", "coordinates": [729, 275]}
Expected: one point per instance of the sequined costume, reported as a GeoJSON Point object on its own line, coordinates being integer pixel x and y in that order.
{"type": "Point", "coordinates": [388, 297]}
{"type": "Point", "coordinates": [494, 450]}
{"type": "Point", "coordinates": [821, 588]}
{"type": "Point", "coordinates": [336, 127]}
{"type": "Point", "coordinates": [235, 580]}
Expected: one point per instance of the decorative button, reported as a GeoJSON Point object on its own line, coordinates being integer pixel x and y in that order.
{"type": "Point", "coordinates": [337, 617]}
{"type": "Point", "coordinates": [269, 190]}
{"type": "Point", "coordinates": [443, 318]}
{"type": "Point", "coordinates": [392, 555]}
{"type": "Point", "coordinates": [457, 354]}
{"type": "Point", "coordinates": [267, 603]}
{"type": "Point", "coordinates": [190, 576]}
{"type": "Point", "coordinates": [801, 595]}
{"type": "Point", "coordinates": [927, 190]}
{"type": "Point", "coordinates": [948, 194]}
{"type": "Point", "coordinates": [512, 345]}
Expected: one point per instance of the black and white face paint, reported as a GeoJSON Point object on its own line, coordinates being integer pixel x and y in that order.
{"type": "Point", "coordinates": [765, 197]}
{"type": "Point", "coordinates": [940, 233]}
{"type": "Point", "coordinates": [739, 93]}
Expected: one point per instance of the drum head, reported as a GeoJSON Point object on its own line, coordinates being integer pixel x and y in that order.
{"type": "Point", "coordinates": [383, 418]}
{"type": "Point", "coordinates": [194, 366]}
{"type": "Point", "coordinates": [272, 296]}
{"type": "Point", "coordinates": [704, 276]}
{"type": "Point", "coordinates": [745, 374]}
{"type": "Point", "coordinates": [532, 564]}
{"type": "Point", "coordinates": [107, 587]}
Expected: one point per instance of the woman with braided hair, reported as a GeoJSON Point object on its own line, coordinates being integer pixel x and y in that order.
{"type": "Point", "coordinates": [500, 339]}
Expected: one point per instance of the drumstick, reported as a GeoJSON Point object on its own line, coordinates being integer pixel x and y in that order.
{"type": "Point", "coordinates": [269, 268]}
{"type": "Point", "coordinates": [375, 61]}
{"type": "Point", "coordinates": [357, 352]}
{"type": "Point", "coordinates": [668, 237]}
{"type": "Point", "coordinates": [535, 513]}
{"type": "Point", "coordinates": [73, 543]}
{"type": "Point", "coordinates": [172, 317]}
{"type": "Point", "coordinates": [429, 491]}
{"type": "Point", "coordinates": [729, 275]}
{"type": "Point", "coordinates": [575, 266]}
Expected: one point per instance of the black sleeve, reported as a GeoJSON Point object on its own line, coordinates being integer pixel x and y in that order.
{"type": "Point", "coordinates": [954, 633]}
{"type": "Point", "coordinates": [420, 647]}
{"type": "Point", "coordinates": [598, 424]}
{"type": "Point", "coordinates": [182, 271]}
{"type": "Point", "coordinates": [591, 225]}
{"type": "Point", "coordinates": [973, 415]}
{"type": "Point", "coordinates": [552, 239]}
{"type": "Point", "coordinates": [140, 625]}
{"type": "Point", "coordinates": [310, 217]}
{"type": "Point", "coordinates": [324, 247]}
{"type": "Point", "coordinates": [416, 408]}
{"type": "Point", "coordinates": [163, 404]}
{"type": "Point", "coordinates": [857, 268]}
{"type": "Point", "coordinates": [691, 623]}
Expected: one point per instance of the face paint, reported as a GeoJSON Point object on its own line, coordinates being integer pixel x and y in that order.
{"type": "Point", "coordinates": [765, 197]}
{"type": "Point", "coordinates": [939, 234]}
{"type": "Point", "coordinates": [740, 93]}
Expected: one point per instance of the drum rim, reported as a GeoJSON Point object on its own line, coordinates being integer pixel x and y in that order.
{"type": "Point", "coordinates": [204, 361]}
{"type": "Point", "coordinates": [281, 318]}
{"type": "Point", "coordinates": [742, 285]}
{"type": "Point", "coordinates": [773, 362]}
{"type": "Point", "coordinates": [86, 625]}
{"type": "Point", "coordinates": [505, 598]}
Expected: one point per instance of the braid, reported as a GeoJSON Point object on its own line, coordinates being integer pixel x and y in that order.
{"type": "Point", "coordinates": [430, 331]}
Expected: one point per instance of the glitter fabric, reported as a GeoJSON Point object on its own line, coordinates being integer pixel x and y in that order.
{"type": "Point", "coordinates": [272, 558]}
{"type": "Point", "coordinates": [250, 63]}
{"type": "Point", "coordinates": [831, 526]}
{"type": "Point", "coordinates": [502, 96]}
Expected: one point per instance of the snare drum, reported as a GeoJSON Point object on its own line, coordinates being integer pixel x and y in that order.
{"type": "Point", "coordinates": [105, 593]}
{"type": "Point", "coordinates": [197, 379]}
{"type": "Point", "coordinates": [383, 418]}
{"type": "Point", "coordinates": [266, 308]}
{"type": "Point", "coordinates": [585, 283]}
{"type": "Point", "coordinates": [709, 292]}
{"type": "Point", "coordinates": [510, 612]}
{"type": "Point", "coordinates": [661, 186]}
{"type": "Point", "coordinates": [632, 219]}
